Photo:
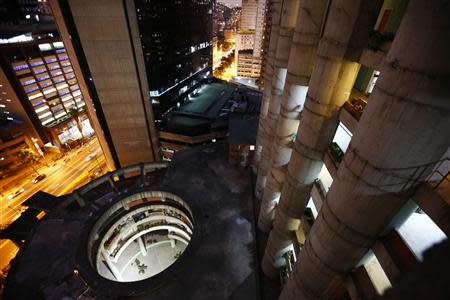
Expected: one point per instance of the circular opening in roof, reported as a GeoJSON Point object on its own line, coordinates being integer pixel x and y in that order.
{"type": "Point", "coordinates": [140, 236]}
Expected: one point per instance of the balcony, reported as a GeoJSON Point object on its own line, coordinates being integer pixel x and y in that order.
{"type": "Point", "coordinates": [332, 159]}
{"type": "Point", "coordinates": [355, 106]}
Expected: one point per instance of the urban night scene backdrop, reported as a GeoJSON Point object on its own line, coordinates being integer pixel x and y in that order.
{"type": "Point", "coordinates": [224, 149]}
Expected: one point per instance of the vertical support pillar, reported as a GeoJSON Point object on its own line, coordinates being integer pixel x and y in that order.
{"type": "Point", "coordinates": [142, 248]}
{"type": "Point", "coordinates": [400, 137]}
{"type": "Point", "coordinates": [275, 12]}
{"type": "Point", "coordinates": [142, 175]}
{"type": "Point", "coordinates": [301, 60]}
{"type": "Point", "coordinates": [112, 183]}
{"type": "Point", "coordinates": [288, 20]}
{"type": "Point", "coordinates": [331, 82]}
{"type": "Point", "coordinates": [330, 86]}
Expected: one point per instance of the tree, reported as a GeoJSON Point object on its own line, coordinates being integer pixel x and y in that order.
{"type": "Point", "coordinates": [28, 158]}
{"type": "Point", "coordinates": [75, 114]}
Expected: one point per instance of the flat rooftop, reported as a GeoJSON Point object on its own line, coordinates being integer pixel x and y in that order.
{"type": "Point", "coordinates": [201, 109]}
{"type": "Point", "coordinates": [220, 262]}
{"type": "Point", "coordinates": [209, 100]}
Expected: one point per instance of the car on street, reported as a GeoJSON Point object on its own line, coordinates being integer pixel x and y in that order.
{"type": "Point", "coordinates": [90, 156]}
{"type": "Point", "coordinates": [38, 178]}
{"type": "Point", "coordinates": [17, 193]}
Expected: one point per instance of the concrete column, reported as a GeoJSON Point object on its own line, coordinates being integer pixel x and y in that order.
{"type": "Point", "coordinates": [141, 243]}
{"type": "Point", "coordinates": [330, 86]}
{"type": "Point", "coordinates": [319, 115]}
{"type": "Point", "coordinates": [31, 144]}
{"type": "Point", "coordinates": [300, 65]}
{"type": "Point", "coordinates": [401, 135]}
{"type": "Point", "coordinates": [287, 24]}
{"type": "Point", "coordinates": [275, 15]}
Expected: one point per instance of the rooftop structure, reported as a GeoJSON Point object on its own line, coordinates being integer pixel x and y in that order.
{"type": "Point", "coordinates": [167, 206]}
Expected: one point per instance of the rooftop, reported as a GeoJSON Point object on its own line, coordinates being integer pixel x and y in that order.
{"type": "Point", "coordinates": [219, 263]}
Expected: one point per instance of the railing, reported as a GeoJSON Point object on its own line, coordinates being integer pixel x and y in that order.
{"type": "Point", "coordinates": [191, 140]}
{"type": "Point", "coordinates": [140, 169]}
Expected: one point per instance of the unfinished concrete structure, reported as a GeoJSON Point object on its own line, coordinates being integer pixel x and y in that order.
{"type": "Point", "coordinates": [273, 90]}
{"type": "Point", "coordinates": [275, 15]}
{"type": "Point", "coordinates": [299, 70]}
{"type": "Point", "coordinates": [392, 154]}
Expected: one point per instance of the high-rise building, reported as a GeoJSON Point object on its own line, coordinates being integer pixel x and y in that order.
{"type": "Point", "coordinates": [153, 54]}
{"type": "Point", "coordinates": [249, 38]}
{"type": "Point", "coordinates": [43, 75]}
{"type": "Point", "coordinates": [43, 93]}
{"type": "Point", "coordinates": [17, 130]}
{"type": "Point", "coordinates": [176, 38]}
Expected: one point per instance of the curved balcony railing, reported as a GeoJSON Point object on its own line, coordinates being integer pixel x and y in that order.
{"type": "Point", "coordinates": [122, 238]}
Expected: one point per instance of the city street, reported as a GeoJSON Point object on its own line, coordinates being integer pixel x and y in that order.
{"type": "Point", "coordinates": [62, 177]}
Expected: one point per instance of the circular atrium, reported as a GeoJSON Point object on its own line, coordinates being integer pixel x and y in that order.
{"type": "Point", "coordinates": [140, 236]}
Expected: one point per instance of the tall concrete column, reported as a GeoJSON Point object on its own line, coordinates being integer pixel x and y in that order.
{"type": "Point", "coordinates": [331, 82]}
{"type": "Point", "coordinates": [275, 15]}
{"type": "Point", "coordinates": [401, 135]}
{"type": "Point", "coordinates": [287, 25]}
{"type": "Point", "coordinates": [300, 65]}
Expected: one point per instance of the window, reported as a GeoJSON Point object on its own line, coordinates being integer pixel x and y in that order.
{"type": "Point", "coordinates": [373, 81]}
{"type": "Point", "coordinates": [342, 137]}
{"type": "Point", "coordinates": [45, 47]}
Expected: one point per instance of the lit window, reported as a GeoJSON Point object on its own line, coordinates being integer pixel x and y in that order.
{"type": "Point", "coordinates": [45, 47]}
{"type": "Point", "coordinates": [58, 45]}
{"type": "Point", "coordinates": [373, 81]}
{"type": "Point", "coordinates": [44, 115]}
{"type": "Point", "coordinates": [51, 90]}
{"type": "Point", "coordinates": [34, 96]}
{"type": "Point", "coordinates": [41, 109]}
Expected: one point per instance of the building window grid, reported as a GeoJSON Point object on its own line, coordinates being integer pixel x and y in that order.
{"type": "Point", "coordinates": [62, 61]}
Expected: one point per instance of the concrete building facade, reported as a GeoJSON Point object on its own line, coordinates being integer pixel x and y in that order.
{"type": "Point", "coordinates": [108, 45]}
{"type": "Point", "coordinates": [347, 158]}
{"type": "Point", "coordinates": [249, 38]}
